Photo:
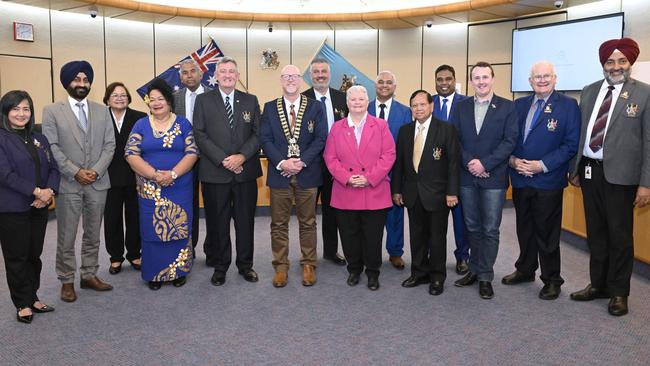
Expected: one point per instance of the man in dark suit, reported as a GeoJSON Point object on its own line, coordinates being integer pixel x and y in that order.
{"type": "Point", "coordinates": [443, 105]}
{"type": "Point", "coordinates": [613, 169]}
{"type": "Point", "coordinates": [226, 127]}
{"type": "Point", "coordinates": [293, 134]}
{"type": "Point", "coordinates": [549, 129]}
{"type": "Point", "coordinates": [426, 180]}
{"type": "Point", "coordinates": [397, 115]}
{"type": "Point", "coordinates": [184, 102]}
{"type": "Point", "coordinates": [121, 218]}
{"type": "Point", "coordinates": [487, 130]}
{"type": "Point", "coordinates": [335, 108]}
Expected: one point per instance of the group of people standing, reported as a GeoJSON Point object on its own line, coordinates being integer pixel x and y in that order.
{"type": "Point", "coordinates": [366, 160]}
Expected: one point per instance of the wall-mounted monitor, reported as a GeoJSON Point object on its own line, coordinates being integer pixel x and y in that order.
{"type": "Point", "coordinates": [571, 46]}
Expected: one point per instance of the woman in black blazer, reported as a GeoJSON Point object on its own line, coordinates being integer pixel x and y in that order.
{"type": "Point", "coordinates": [121, 210]}
{"type": "Point", "coordinates": [29, 178]}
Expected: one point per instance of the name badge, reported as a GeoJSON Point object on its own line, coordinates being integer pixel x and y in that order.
{"type": "Point", "coordinates": [587, 171]}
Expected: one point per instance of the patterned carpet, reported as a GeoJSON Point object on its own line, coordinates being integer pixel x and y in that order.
{"type": "Point", "coordinates": [329, 324]}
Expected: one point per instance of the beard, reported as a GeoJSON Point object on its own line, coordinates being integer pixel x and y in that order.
{"type": "Point", "coordinates": [320, 85]}
{"type": "Point", "coordinates": [79, 92]}
{"type": "Point", "coordinates": [614, 80]}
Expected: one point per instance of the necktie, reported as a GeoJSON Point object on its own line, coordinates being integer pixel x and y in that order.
{"type": "Point", "coordinates": [292, 117]}
{"type": "Point", "coordinates": [323, 99]}
{"type": "Point", "coordinates": [538, 111]}
{"type": "Point", "coordinates": [418, 146]}
{"type": "Point", "coordinates": [598, 131]}
{"type": "Point", "coordinates": [443, 110]}
{"type": "Point", "coordinates": [190, 110]}
{"type": "Point", "coordinates": [82, 116]}
{"type": "Point", "coordinates": [382, 106]}
{"type": "Point", "coordinates": [231, 119]}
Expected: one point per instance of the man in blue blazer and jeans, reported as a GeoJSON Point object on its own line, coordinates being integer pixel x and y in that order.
{"type": "Point", "coordinates": [549, 130]}
{"type": "Point", "coordinates": [397, 115]}
{"type": "Point", "coordinates": [487, 130]}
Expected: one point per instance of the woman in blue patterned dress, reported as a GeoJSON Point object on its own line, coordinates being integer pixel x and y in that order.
{"type": "Point", "coordinates": [161, 151]}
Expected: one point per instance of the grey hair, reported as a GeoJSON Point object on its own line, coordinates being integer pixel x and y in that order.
{"type": "Point", "coordinates": [227, 59]}
{"type": "Point", "coordinates": [542, 63]}
{"type": "Point", "coordinates": [189, 61]}
{"type": "Point", "coordinates": [319, 60]}
{"type": "Point", "coordinates": [356, 88]}
{"type": "Point", "coordinates": [389, 73]}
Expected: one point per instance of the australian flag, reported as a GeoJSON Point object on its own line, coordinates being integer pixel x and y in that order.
{"type": "Point", "coordinates": [206, 57]}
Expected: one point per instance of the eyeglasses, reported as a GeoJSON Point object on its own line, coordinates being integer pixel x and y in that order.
{"type": "Point", "coordinates": [291, 77]}
{"type": "Point", "coordinates": [119, 96]}
{"type": "Point", "coordinates": [545, 77]}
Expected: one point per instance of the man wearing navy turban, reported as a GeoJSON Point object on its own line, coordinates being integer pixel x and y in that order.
{"type": "Point", "coordinates": [81, 134]}
{"type": "Point", "coordinates": [613, 169]}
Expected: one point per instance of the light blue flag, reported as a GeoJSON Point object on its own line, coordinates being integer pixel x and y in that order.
{"type": "Point", "coordinates": [342, 74]}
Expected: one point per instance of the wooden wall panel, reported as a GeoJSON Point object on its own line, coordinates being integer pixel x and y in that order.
{"type": "Point", "coordinates": [404, 59]}
{"type": "Point", "coordinates": [444, 44]}
{"type": "Point", "coordinates": [265, 83]}
{"type": "Point", "coordinates": [39, 17]}
{"type": "Point", "coordinates": [29, 74]}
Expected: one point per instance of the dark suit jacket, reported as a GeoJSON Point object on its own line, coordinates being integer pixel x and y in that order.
{"type": "Point", "coordinates": [216, 140]}
{"type": "Point", "coordinates": [179, 100]}
{"type": "Point", "coordinates": [399, 116]}
{"type": "Point", "coordinates": [18, 171]}
{"type": "Point", "coordinates": [311, 143]}
{"type": "Point", "coordinates": [438, 173]}
{"type": "Point", "coordinates": [492, 145]}
{"type": "Point", "coordinates": [339, 102]}
{"type": "Point", "coordinates": [553, 140]}
{"type": "Point", "coordinates": [626, 151]}
{"type": "Point", "coordinates": [437, 112]}
{"type": "Point", "coordinates": [119, 171]}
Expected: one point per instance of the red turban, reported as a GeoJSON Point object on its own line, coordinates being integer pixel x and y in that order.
{"type": "Point", "coordinates": [627, 46]}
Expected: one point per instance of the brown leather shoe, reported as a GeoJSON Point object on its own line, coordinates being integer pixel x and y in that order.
{"type": "Point", "coordinates": [280, 279]}
{"type": "Point", "coordinates": [396, 261]}
{"type": "Point", "coordinates": [95, 283]}
{"type": "Point", "coordinates": [67, 292]}
{"type": "Point", "coordinates": [308, 275]}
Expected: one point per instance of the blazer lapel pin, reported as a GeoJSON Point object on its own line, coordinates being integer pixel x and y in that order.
{"type": "Point", "coordinates": [548, 109]}
{"type": "Point", "coordinates": [625, 94]}
{"type": "Point", "coordinates": [631, 109]}
{"type": "Point", "coordinates": [493, 106]}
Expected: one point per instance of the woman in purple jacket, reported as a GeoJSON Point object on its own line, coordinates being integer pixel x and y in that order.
{"type": "Point", "coordinates": [29, 179]}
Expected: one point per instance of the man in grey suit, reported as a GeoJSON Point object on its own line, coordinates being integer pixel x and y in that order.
{"type": "Point", "coordinates": [226, 125]}
{"type": "Point", "coordinates": [82, 139]}
{"type": "Point", "coordinates": [613, 169]}
{"type": "Point", "coordinates": [184, 102]}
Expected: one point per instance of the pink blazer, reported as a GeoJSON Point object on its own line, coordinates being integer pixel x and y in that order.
{"type": "Point", "coordinates": [373, 159]}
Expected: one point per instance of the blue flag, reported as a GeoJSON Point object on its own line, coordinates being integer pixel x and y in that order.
{"type": "Point", "coordinates": [342, 74]}
{"type": "Point", "coordinates": [206, 57]}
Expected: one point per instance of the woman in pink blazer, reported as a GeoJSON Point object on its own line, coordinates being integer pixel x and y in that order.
{"type": "Point", "coordinates": [360, 152]}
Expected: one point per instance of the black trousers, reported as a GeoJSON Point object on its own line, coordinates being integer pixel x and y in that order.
{"type": "Point", "coordinates": [609, 212]}
{"type": "Point", "coordinates": [224, 202]}
{"type": "Point", "coordinates": [329, 225]}
{"type": "Point", "coordinates": [120, 213]}
{"type": "Point", "coordinates": [428, 232]}
{"type": "Point", "coordinates": [21, 237]}
{"type": "Point", "coordinates": [362, 232]}
{"type": "Point", "coordinates": [539, 223]}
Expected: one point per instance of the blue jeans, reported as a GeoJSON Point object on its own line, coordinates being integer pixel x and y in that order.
{"type": "Point", "coordinates": [460, 233]}
{"type": "Point", "coordinates": [395, 231]}
{"type": "Point", "coordinates": [482, 209]}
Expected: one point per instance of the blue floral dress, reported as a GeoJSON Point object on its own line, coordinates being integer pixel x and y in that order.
{"type": "Point", "coordinates": [165, 212]}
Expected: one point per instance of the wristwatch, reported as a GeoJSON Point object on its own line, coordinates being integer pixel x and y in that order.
{"type": "Point", "coordinates": [174, 175]}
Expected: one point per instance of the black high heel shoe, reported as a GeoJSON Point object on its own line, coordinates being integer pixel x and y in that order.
{"type": "Point", "coordinates": [155, 285]}
{"type": "Point", "coordinates": [27, 319]}
{"type": "Point", "coordinates": [136, 266]}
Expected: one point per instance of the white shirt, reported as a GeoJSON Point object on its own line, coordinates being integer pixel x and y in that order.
{"type": "Point", "coordinates": [388, 103]}
{"type": "Point", "coordinates": [424, 132]}
{"type": "Point", "coordinates": [358, 130]}
{"type": "Point", "coordinates": [450, 99]}
{"type": "Point", "coordinates": [328, 106]}
{"type": "Point", "coordinates": [189, 107]}
{"type": "Point", "coordinates": [73, 104]}
{"type": "Point", "coordinates": [118, 122]}
{"type": "Point", "coordinates": [586, 151]}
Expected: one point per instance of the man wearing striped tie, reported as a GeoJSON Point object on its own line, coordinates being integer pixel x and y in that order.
{"type": "Point", "coordinates": [613, 169]}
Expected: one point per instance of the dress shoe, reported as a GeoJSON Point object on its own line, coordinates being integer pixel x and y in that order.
{"type": "Point", "coordinates": [468, 280]}
{"type": "Point", "coordinates": [308, 275]}
{"type": "Point", "coordinates": [115, 268]}
{"type": "Point", "coordinates": [218, 278]}
{"type": "Point", "coordinates": [180, 281]}
{"type": "Point", "coordinates": [336, 259]}
{"type": "Point", "coordinates": [280, 279]}
{"type": "Point", "coordinates": [67, 292]}
{"type": "Point", "coordinates": [396, 261]}
{"type": "Point", "coordinates": [136, 266]}
{"type": "Point", "coordinates": [462, 267]}
{"type": "Point", "coordinates": [436, 288]}
{"type": "Point", "coordinates": [373, 283]}
{"type": "Point", "coordinates": [43, 309]}
{"type": "Point", "coordinates": [27, 319]}
{"type": "Point", "coordinates": [517, 277]}
{"type": "Point", "coordinates": [617, 305]}
{"type": "Point", "coordinates": [414, 281]}
{"type": "Point", "coordinates": [589, 293]}
{"type": "Point", "coordinates": [353, 279]}
{"type": "Point", "coordinates": [249, 275]}
{"type": "Point", "coordinates": [155, 285]}
{"type": "Point", "coordinates": [550, 291]}
{"type": "Point", "coordinates": [485, 290]}
{"type": "Point", "coordinates": [94, 283]}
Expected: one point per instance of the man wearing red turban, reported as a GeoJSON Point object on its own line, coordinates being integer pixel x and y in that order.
{"type": "Point", "coordinates": [613, 169]}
